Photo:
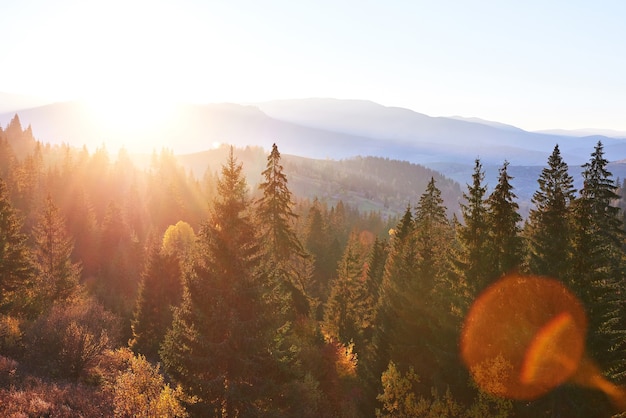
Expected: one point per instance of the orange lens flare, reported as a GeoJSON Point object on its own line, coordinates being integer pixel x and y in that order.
{"type": "Point", "coordinates": [525, 335]}
{"type": "Point", "coordinates": [545, 360]}
{"type": "Point", "coordinates": [533, 328]}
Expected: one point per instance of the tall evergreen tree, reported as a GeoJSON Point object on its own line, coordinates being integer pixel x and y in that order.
{"type": "Point", "coordinates": [413, 316]}
{"type": "Point", "coordinates": [349, 310]}
{"type": "Point", "coordinates": [433, 236]}
{"type": "Point", "coordinates": [57, 275]}
{"type": "Point", "coordinates": [279, 242]}
{"type": "Point", "coordinates": [317, 244]}
{"type": "Point", "coordinates": [217, 347]}
{"type": "Point", "coordinates": [160, 289]}
{"type": "Point", "coordinates": [504, 225]}
{"type": "Point", "coordinates": [16, 270]}
{"type": "Point", "coordinates": [474, 261]}
{"type": "Point", "coordinates": [598, 268]}
{"type": "Point", "coordinates": [548, 228]}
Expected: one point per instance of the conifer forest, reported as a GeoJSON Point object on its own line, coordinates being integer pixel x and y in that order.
{"type": "Point", "coordinates": [146, 290]}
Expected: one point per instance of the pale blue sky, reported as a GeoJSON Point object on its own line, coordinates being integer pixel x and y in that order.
{"type": "Point", "coordinates": [534, 64]}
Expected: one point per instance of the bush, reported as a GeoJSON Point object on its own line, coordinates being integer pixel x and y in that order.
{"type": "Point", "coordinates": [140, 391]}
{"type": "Point", "coordinates": [10, 335]}
{"type": "Point", "coordinates": [37, 398]}
{"type": "Point", "coordinates": [64, 342]}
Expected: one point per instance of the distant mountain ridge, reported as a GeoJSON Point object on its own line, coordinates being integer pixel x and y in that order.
{"type": "Point", "coordinates": [339, 129]}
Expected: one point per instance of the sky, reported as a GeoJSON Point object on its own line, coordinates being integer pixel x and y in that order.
{"type": "Point", "coordinates": [533, 64]}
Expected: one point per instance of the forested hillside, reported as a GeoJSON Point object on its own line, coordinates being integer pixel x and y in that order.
{"type": "Point", "coordinates": [243, 283]}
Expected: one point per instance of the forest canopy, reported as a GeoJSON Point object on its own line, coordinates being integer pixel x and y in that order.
{"type": "Point", "coordinates": [169, 288]}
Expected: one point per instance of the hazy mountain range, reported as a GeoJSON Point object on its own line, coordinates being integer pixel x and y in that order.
{"type": "Point", "coordinates": [335, 129]}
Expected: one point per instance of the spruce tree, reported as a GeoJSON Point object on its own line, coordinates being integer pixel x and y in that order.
{"type": "Point", "coordinates": [16, 270]}
{"type": "Point", "coordinates": [413, 316]}
{"type": "Point", "coordinates": [57, 275]}
{"type": "Point", "coordinates": [317, 244]}
{"type": "Point", "coordinates": [349, 310]}
{"type": "Point", "coordinates": [433, 237]}
{"type": "Point", "coordinates": [598, 268]}
{"type": "Point", "coordinates": [548, 229]}
{"type": "Point", "coordinates": [279, 242]}
{"type": "Point", "coordinates": [473, 262]}
{"type": "Point", "coordinates": [217, 347]}
{"type": "Point", "coordinates": [504, 225]}
{"type": "Point", "coordinates": [160, 290]}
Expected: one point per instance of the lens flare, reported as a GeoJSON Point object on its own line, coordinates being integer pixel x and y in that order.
{"type": "Point", "coordinates": [525, 335]}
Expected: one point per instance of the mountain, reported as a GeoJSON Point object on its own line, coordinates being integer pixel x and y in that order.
{"type": "Point", "coordinates": [426, 139]}
{"type": "Point", "coordinates": [318, 128]}
{"type": "Point", "coordinates": [334, 129]}
{"type": "Point", "coordinates": [11, 102]}
{"type": "Point", "coordinates": [367, 183]}
{"type": "Point", "coordinates": [586, 132]}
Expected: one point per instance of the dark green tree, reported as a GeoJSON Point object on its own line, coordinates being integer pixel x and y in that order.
{"type": "Point", "coordinates": [317, 244]}
{"type": "Point", "coordinates": [217, 348]}
{"type": "Point", "coordinates": [160, 290]}
{"type": "Point", "coordinates": [349, 310]}
{"type": "Point", "coordinates": [598, 269]}
{"type": "Point", "coordinates": [474, 259]}
{"type": "Point", "coordinates": [548, 228]}
{"type": "Point", "coordinates": [416, 328]}
{"type": "Point", "coordinates": [279, 242]}
{"type": "Point", "coordinates": [504, 225]}
{"type": "Point", "coordinates": [16, 271]}
{"type": "Point", "coordinates": [433, 236]}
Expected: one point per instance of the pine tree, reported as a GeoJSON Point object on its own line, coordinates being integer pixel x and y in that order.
{"type": "Point", "coordinates": [160, 289]}
{"type": "Point", "coordinates": [317, 244]}
{"type": "Point", "coordinates": [433, 236]}
{"type": "Point", "coordinates": [598, 268]}
{"type": "Point", "coordinates": [217, 348]}
{"type": "Point", "coordinates": [415, 326]}
{"type": "Point", "coordinates": [474, 261]}
{"type": "Point", "coordinates": [16, 271]}
{"type": "Point", "coordinates": [548, 227]}
{"type": "Point", "coordinates": [349, 310]}
{"type": "Point", "coordinates": [504, 225]}
{"type": "Point", "coordinates": [279, 242]}
{"type": "Point", "coordinates": [57, 275]}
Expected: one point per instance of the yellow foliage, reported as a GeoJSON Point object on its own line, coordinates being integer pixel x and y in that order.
{"type": "Point", "coordinates": [140, 391]}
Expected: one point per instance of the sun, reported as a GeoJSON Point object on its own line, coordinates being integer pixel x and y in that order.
{"type": "Point", "coordinates": [134, 120]}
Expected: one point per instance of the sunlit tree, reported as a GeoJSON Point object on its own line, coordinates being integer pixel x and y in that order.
{"type": "Point", "coordinates": [279, 243]}
{"type": "Point", "coordinates": [504, 225]}
{"type": "Point", "coordinates": [474, 259]}
{"type": "Point", "coordinates": [16, 270]}
{"type": "Point", "coordinates": [348, 311]}
{"type": "Point", "coordinates": [160, 289]}
{"type": "Point", "coordinates": [57, 276]}
{"type": "Point", "coordinates": [548, 228]}
{"type": "Point", "coordinates": [217, 348]}
{"type": "Point", "coordinates": [598, 273]}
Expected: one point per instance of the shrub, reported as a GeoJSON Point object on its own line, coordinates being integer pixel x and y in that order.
{"type": "Point", "coordinates": [70, 338]}
{"type": "Point", "coordinates": [140, 391]}
{"type": "Point", "coordinates": [10, 335]}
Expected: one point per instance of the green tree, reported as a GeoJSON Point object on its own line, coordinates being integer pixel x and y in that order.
{"type": "Point", "coordinates": [474, 262]}
{"type": "Point", "coordinates": [548, 229]}
{"type": "Point", "coordinates": [349, 309]}
{"type": "Point", "coordinates": [317, 244]}
{"type": "Point", "coordinates": [57, 276]}
{"type": "Point", "coordinates": [217, 347]}
{"type": "Point", "coordinates": [598, 269]}
{"type": "Point", "coordinates": [16, 271]}
{"type": "Point", "coordinates": [279, 243]}
{"type": "Point", "coordinates": [504, 225]}
{"type": "Point", "coordinates": [160, 289]}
